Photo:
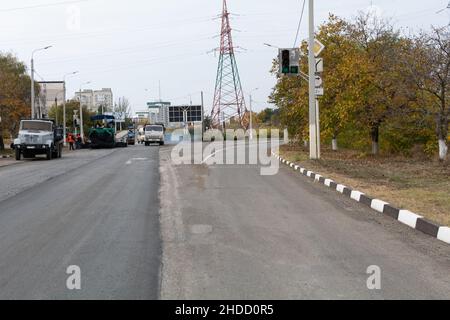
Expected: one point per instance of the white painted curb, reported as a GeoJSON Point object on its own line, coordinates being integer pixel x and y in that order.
{"type": "Point", "coordinates": [378, 205]}
{"type": "Point", "coordinates": [409, 218]}
{"type": "Point", "coordinates": [356, 195]}
{"type": "Point", "coordinates": [444, 234]}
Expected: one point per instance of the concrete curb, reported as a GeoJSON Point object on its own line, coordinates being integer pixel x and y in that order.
{"type": "Point", "coordinates": [406, 217]}
{"type": "Point", "coordinates": [6, 157]}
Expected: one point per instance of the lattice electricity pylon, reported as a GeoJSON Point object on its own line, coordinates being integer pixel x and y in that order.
{"type": "Point", "coordinates": [229, 102]}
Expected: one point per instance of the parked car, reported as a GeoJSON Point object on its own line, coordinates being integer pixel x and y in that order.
{"type": "Point", "coordinates": [131, 138]}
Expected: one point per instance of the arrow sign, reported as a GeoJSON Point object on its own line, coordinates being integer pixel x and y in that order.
{"type": "Point", "coordinates": [318, 47]}
{"type": "Point", "coordinates": [319, 82]}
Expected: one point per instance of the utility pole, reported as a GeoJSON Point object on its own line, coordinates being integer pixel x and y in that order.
{"type": "Point", "coordinates": [251, 114]}
{"type": "Point", "coordinates": [313, 105]}
{"type": "Point", "coordinates": [64, 106]}
{"type": "Point", "coordinates": [229, 102]}
{"type": "Point", "coordinates": [56, 109]}
{"type": "Point", "coordinates": [32, 80]}
{"type": "Point", "coordinates": [32, 87]}
{"type": "Point", "coordinates": [81, 114]}
{"type": "Point", "coordinates": [203, 115]}
{"type": "Point", "coordinates": [251, 117]}
{"type": "Point", "coordinates": [64, 112]}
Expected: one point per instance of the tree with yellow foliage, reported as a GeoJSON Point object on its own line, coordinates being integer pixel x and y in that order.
{"type": "Point", "coordinates": [15, 95]}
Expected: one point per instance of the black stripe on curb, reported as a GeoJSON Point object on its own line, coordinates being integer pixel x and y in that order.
{"type": "Point", "coordinates": [347, 192]}
{"type": "Point", "coordinates": [428, 227]}
{"type": "Point", "coordinates": [366, 200]}
{"type": "Point", "coordinates": [391, 211]}
{"type": "Point", "coordinates": [424, 225]}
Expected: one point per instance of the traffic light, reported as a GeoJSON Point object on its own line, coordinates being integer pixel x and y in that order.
{"type": "Point", "coordinates": [289, 60]}
{"type": "Point", "coordinates": [285, 61]}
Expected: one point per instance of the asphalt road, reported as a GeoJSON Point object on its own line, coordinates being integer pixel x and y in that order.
{"type": "Point", "coordinates": [230, 233]}
{"type": "Point", "coordinates": [97, 210]}
{"type": "Point", "coordinates": [140, 227]}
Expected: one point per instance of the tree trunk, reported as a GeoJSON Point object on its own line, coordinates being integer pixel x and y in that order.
{"type": "Point", "coordinates": [334, 143]}
{"type": "Point", "coordinates": [375, 135]}
{"type": "Point", "coordinates": [442, 134]}
{"type": "Point", "coordinates": [2, 143]}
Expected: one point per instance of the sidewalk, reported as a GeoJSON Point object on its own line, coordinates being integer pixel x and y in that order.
{"type": "Point", "coordinates": [8, 162]}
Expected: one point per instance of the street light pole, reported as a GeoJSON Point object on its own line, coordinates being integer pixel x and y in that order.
{"type": "Point", "coordinates": [251, 114]}
{"type": "Point", "coordinates": [32, 87]}
{"type": "Point", "coordinates": [56, 109]}
{"type": "Point", "coordinates": [32, 80]}
{"type": "Point", "coordinates": [64, 105]}
{"type": "Point", "coordinates": [81, 114]}
{"type": "Point", "coordinates": [313, 117]}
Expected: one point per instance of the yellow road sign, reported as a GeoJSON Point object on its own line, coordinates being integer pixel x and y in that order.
{"type": "Point", "coordinates": [318, 47]}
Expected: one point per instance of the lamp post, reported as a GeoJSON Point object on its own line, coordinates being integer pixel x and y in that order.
{"type": "Point", "coordinates": [251, 113]}
{"type": "Point", "coordinates": [81, 113]}
{"type": "Point", "coordinates": [32, 79]}
{"type": "Point", "coordinates": [64, 104]}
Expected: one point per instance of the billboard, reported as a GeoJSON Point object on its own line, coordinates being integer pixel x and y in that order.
{"type": "Point", "coordinates": [176, 114]}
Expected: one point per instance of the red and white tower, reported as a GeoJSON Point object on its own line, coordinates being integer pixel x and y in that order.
{"type": "Point", "coordinates": [229, 102]}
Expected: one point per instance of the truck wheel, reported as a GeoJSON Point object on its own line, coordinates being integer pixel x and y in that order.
{"type": "Point", "coordinates": [60, 151]}
{"type": "Point", "coordinates": [18, 154]}
{"type": "Point", "coordinates": [49, 154]}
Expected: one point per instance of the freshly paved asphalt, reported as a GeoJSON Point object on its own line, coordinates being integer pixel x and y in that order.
{"type": "Point", "coordinates": [94, 209]}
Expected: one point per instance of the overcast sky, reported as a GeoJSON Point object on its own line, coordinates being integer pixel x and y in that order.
{"type": "Point", "coordinates": [131, 46]}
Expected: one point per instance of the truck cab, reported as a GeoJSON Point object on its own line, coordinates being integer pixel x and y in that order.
{"type": "Point", "coordinates": [154, 133]}
{"type": "Point", "coordinates": [39, 137]}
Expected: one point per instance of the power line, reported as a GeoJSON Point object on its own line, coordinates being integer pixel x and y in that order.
{"type": "Point", "coordinates": [43, 5]}
{"type": "Point", "coordinates": [299, 24]}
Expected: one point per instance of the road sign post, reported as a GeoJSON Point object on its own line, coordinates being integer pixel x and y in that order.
{"type": "Point", "coordinates": [313, 50]}
{"type": "Point", "coordinates": [319, 91]}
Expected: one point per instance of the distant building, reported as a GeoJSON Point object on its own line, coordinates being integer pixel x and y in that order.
{"type": "Point", "coordinates": [159, 112]}
{"type": "Point", "coordinates": [49, 91]}
{"type": "Point", "coordinates": [95, 99]}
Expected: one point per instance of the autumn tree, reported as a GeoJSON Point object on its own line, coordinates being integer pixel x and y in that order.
{"type": "Point", "coordinates": [336, 105]}
{"type": "Point", "coordinates": [430, 70]}
{"type": "Point", "coordinates": [72, 106]}
{"type": "Point", "coordinates": [380, 87]}
{"type": "Point", "coordinates": [14, 95]}
{"type": "Point", "coordinates": [288, 95]}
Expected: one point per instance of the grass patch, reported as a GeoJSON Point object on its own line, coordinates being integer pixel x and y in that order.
{"type": "Point", "coordinates": [415, 184]}
{"type": "Point", "coordinates": [6, 152]}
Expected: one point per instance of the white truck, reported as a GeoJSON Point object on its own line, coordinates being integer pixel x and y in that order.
{"type": "Point", "coordinates": [154, 133]}
{"type": "Point", "coordinates": [38, 137]}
